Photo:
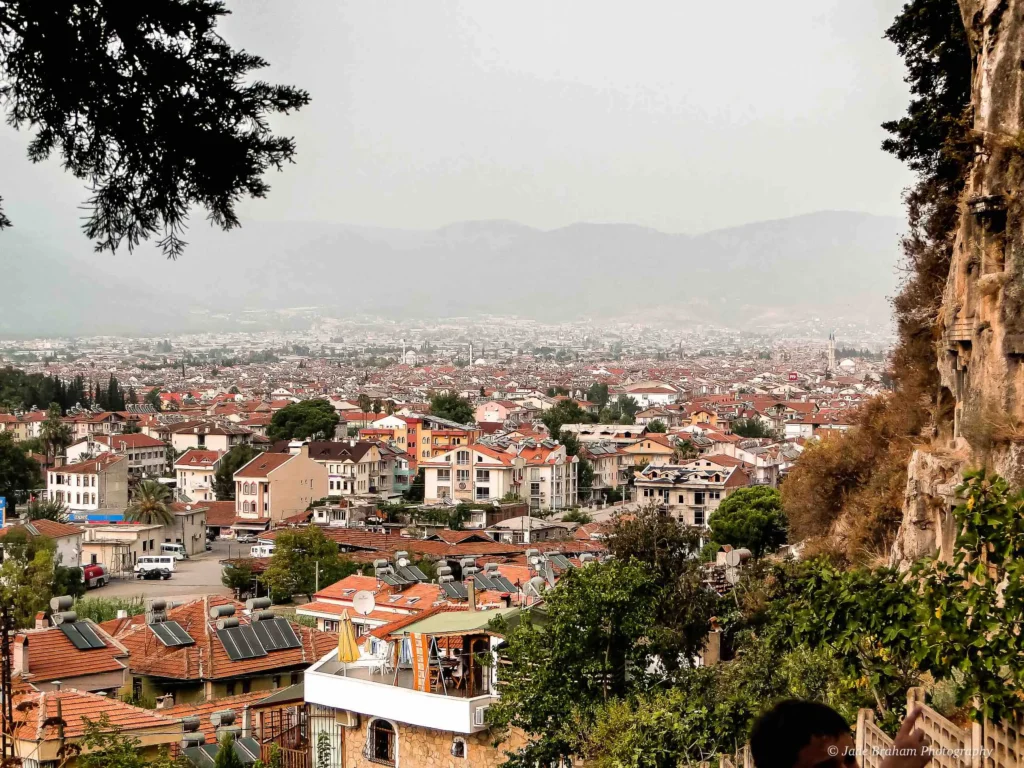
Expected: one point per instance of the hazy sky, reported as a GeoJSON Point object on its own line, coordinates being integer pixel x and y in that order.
{"type": "Point", "coordinates": [680, 115]}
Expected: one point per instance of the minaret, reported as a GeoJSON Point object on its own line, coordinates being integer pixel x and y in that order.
{"type": "Point", "coordinates": [831, 365]}
{"type": "Point", "coordinates": [471, 353]}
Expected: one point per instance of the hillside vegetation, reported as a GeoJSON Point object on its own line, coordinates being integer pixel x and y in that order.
{"type": "Point", "coordinates": [848, 493]}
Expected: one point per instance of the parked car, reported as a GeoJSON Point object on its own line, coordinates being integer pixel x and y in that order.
{"type": "Point", "coordinates": [246, 538]}
{"type": "Point", "coordinates": [154, 573]}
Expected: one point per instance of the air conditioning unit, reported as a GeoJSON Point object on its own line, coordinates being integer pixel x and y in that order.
{"type": "Point", "coordinates": [479, 716]}
{"type": "Point", "coordinates": [347, 719]}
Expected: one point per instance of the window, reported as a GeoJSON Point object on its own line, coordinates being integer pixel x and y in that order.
{"type": "Point", "coordinates": [483, 475]}
{"type": "Point", "coordinates": [297, 676]}
{"type": "Point", "coordinates": [459, 748]}
{"type": "Point", "coordinates": [462, 475]}
{"type": "Point", "coordinates": [483, 492]}
{"type": "Point", "coordinates": [277, 681]}
{"type": "Point", "coordinates": [246, 686]}
{"type": "Point", "coordinates": [462, 457]}
{"type": "Point", "coordinates": [444, 475]}
{"type": "Point", "coordinates": [698, 517]}
{"type": "Point", "coordinates": [229, 689]}
{"type": "Point", "coordinates": [381, 743]}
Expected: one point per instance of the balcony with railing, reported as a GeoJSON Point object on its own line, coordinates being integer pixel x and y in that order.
{"type": "Point", "coordinates": [436, 679]}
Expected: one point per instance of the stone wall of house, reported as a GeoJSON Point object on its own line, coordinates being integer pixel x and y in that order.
{"type": "Point", "coordinates": [426, 748]}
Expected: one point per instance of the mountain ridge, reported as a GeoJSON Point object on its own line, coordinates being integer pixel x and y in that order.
{"type": "Point", "coordinates": [838, 262]}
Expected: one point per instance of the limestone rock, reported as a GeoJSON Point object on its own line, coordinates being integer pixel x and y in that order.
{"type": "Point", "coordinates": [980, 352]}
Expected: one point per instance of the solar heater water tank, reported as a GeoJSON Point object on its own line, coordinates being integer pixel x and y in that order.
{"type": "Point", "coordinates": [220, 611]}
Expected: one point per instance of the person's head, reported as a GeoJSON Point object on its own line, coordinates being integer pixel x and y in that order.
{"type": "Point", "coordinates": [802, 734]}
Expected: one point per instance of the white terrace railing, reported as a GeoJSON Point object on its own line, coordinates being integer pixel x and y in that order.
{"type": "Point", "coordinates": [978, 745]}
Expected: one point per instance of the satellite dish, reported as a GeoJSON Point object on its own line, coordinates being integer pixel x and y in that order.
{"type": "Point", "coordinates": [732, 575]}
{"type": "Point", "coordinates": [732, 558]}
{"type": "Point", "coordinates": [363, 602]}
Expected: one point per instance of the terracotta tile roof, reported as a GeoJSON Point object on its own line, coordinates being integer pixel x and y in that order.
{"type": "Point", "coordinates": [197, 458]}
{"type": "Point", "coordinates": [51, 529]}
{"type": "Point", "coordinates": [458, 537]}
{"type": "Point", "coordinates": [92, 466]}
{"type": "Point", "coordinates": [264, 464]}
{"type": "Point", "coordinates": [357, 539]}
{"type": "Point", "coordinates": [204, 709]}
{"type": "Point", "coordinates": [207, 659]}
{"type": "Point", "coordinates": [220, 513]}
{"type": "Point", "coordinates": [336, 591]}
{"type": "Point", "coordinates": [33, 710]}
{"type": "Point", "coordinates": [129, 442]}
{"type": "Point", "coordinates": [51, 656]}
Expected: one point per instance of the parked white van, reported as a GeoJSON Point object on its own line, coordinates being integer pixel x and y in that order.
{"type": "Point", "coordinates": [177, 551]}
{"type": "Point", "coordinates": [151, 562]}
{"type": "Point", "coordinates": [261, 550]}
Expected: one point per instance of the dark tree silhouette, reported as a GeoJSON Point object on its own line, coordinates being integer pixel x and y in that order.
{"type": "Point", "coordinates": [148, 105]}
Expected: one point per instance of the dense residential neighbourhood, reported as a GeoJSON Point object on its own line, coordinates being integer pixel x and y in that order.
{"type": "Point", "coordinates": [453, 522]}
{"type": "Point", "coordinates": [579, 421]}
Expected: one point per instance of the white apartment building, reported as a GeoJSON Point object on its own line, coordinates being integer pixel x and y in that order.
{"type": "Point", "coordinates": [147, 456]}
{"type": "Point", "coordinates": [195, 471]}
{"type": "Point", "coordinates": [95, 490]}
{"type": "Point", "coordinates": [541, 474]}
{"type": "Point", "coordinates": [690, 492]}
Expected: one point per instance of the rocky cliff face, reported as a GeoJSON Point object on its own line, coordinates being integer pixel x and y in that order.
{"type": "Point", "coordinates": [980, 328]}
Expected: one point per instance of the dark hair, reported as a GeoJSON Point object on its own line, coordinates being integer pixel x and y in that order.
{"type": "Point", "coordinates": [780, 733]}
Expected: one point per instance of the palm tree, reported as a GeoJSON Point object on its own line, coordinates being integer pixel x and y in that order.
{"type": "Point", "coordinates": [56, 435]}
{"type": "Point", "coordinates": [150, 504]}
{"type": "Point", "coordinates": [46, 509]}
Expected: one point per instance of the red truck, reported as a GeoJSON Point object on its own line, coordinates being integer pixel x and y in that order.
{"type": "Point", "coordinates": [95, 575]}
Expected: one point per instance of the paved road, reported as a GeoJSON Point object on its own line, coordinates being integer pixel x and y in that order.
{"type": "Point", "coordinates": [197, 576]}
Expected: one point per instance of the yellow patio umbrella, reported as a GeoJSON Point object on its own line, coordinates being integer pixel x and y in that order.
{"type": "Point", "coordinates": [348, 651]}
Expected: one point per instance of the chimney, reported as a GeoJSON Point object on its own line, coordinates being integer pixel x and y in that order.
{"type": "Point", "coordinates": [41, 622]}
{"type": "Point", "coordinates": [20, 655]}
{"type": "Point", "coordinates": [246, 722]}
{"type": "Point", "coordinates": [165, 702]}
{"type": "Point", "coordinates": [471, 591]}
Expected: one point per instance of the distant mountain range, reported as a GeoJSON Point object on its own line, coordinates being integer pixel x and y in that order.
{"type": "Point", "coordinates": [833, 264]}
